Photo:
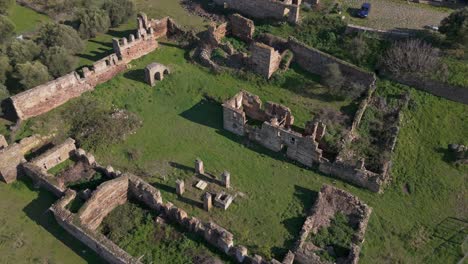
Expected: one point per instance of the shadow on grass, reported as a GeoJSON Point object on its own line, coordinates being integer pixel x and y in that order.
{"type": "Point", "coordinates": [95, 55]}
{"type": "Point", "coordinates": [448, 156]}
{"type": "Point", "coordinates": [121, 33]}
{"type": "Point", "coordinates": [183, 167]}
{"type": "Point", "coordinates": [294, 224]}
{"type": "Point", "coordinates": [137, 75]}
{"type": "Point", "coordinates": [205, 113]}
{"type": "Point", "coordinates": [38, 211]}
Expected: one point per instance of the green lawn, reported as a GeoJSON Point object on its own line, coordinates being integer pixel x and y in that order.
{"type": "Point", "coordinates": [25, 19]}
{"type": "Point", "coordinates": [180, 125]}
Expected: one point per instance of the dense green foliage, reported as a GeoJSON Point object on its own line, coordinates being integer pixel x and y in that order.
{"type": "Point", "coordinates": [119, 11]}
{"type": "Point", "coordinates": [5, 5]}
{"type": "Point", "coordinates": [59, 61]}
{"type": "Point", "coordinates": [31, 74]}
{"type": "Point", "coordinates": [92, 21]}
{"type": "Point", "coordinates": [338, 236]}
{"type": "Point", "coordinates": [22, 51]}
{"type": "Point", "coordinates": [59, 35]}
{"type": "Point", "coordinates": [7, 29]}
{"type": "Point", "coordinates": [455, 26]}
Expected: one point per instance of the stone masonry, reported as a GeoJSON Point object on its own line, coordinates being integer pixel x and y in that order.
{"type": "Point", "coordinates": [50, 95]}
{"type": "Point", "coordinates": [155, 72]}
{"type": "Point", "coordinates": [265, 60]}
{"type": "Point", "coordinates": [56, 155]}
{"type": "Point", "coordinates": [241, 27]}
{"type": "Point", "coordinates": [3, 142]}
{"type": "Point", "coordinates": [275, 132]}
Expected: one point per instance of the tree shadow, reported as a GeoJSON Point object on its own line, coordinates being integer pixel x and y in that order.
{"type": "Point", "coordinates": [352, 11]}
{"type": "Point", "coordinates": [137, 75]}
{"type": "Point", "coordinates": [96, 55]}
{"type": "Point", "coordinates": [38, 211]}
{"type": "Point", "coordinates": [205, 112]}
{"type": "Point", "coordinates": [106, 44]}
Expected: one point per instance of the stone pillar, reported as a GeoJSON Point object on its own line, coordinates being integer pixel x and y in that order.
{"type": "Point", "coordinates": [360, 164]}
{"type": "Point", "coordinates": [180, 187]}
{"type": "Point", "coordinates": [207, 201]}
{"type": "Point", "coordinates": [3, 142]}
{"type": "Point", "coordinates": [199, 168]}
{"type": "Point", "coordinates": [226, 179]}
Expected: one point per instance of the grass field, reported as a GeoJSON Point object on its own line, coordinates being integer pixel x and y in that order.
{"type": "Point", "coordinates": [180, 125]}
{"type": "Point", "coordinates": [25, 19]}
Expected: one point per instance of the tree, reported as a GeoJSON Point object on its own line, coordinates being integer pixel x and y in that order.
{"type": "Point", "coordinates": [50, 35]}
{"type": "Point", "coordinates": [92, 21]}
{"type": "Point", "coordinates": [455, 26]}
{"type": "Point", "coordinates": [358, 48]}
{"type": "Point", "coordinates": [5, 5]}
{"type": "Point", "coordinates": [413, 57]}
{"type": "Point", "coordinates": [3, 95]}
{"type": "Point", "coordinates": [4, 68]}
{"type": "Point", "coordinates": [21, 51]}
{"type": "Point", "coordinates": [333, 79]}
{"type": "Point", "coordinates": [119, 11]}
{"type": "Point", "coordinates": [7, 29]}
{"type": "Point", "coordinates": [59, 61]}
{"type": "Point", "coordinates": [31, 74]}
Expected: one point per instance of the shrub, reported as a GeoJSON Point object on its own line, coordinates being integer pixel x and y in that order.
{"type": "Point", "coordinates": [31, 74]}
{"type": "Point", "coordinates": [59, 61]}
{"type": "Point", "coordinates": [4, 68]}
{"type": "Point", "coordinates": [119, 11]}
{"type": "Point", "coordinates": [333, 79]}
{"type": "Point", "coordinates": [21, 51]}
{"type": "Point", "coordinates": [7, 29]}
{"type": "Point", "coordinates": [5, 5]}
{"type": "Point", "coordinates": [455, 26]}
{"type": "Point", "coordinates": [411, 56]}
{"type": "Point", "coordinates": [92, 21]}
{"type": "Point", "coordinates": [51, 35]}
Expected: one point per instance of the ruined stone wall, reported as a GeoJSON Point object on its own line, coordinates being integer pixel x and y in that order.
{"type": "Point", "coordinates": [265, 60]}
{"type": "Point", "coordinates": [144, 192]}
{"type": "Point", "coordinates": [56, 155]}
{"type": "Point", "coordinates": [241, 27]}
{"type": "Point", "coordinates": [105, 198]}
{"type": "Point", "coordinates": [50, 95]}
{"type": "Point", "coordinates": [355, 174]}
{"type": "Point", "coordinates": [104, 247]}
{"type": "Point", "coordinates": [13, 155]}
{"type": "Point", "coordinates": [389, 34]}
{"type": "Point", "coordinates": [315, 61]}
{"type": "Point", "coordinates": [330, 201]}
{"type": "Point", "coordinates": [43, 179]}
{"type": "Point", "coordinates": [274, 9]}
{"type": "Point", "coordinates": [3, 142]}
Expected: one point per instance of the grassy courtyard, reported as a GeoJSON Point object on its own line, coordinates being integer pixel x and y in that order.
{"type": "Point", "coordinates": [179, 124]}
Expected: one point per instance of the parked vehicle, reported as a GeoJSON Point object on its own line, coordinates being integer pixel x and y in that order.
{"type": "Point", "coordinates": [432, 27]}
{"type": "Point", "coordinates": [364, 11]}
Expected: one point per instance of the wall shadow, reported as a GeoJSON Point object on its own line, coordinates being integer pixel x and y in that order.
{"type": "Point", "coordinates": [183, 167]}
{"type": "Point", "coordinates": [137, 75]}
{"type": "Point", "coordinates": [38, 211]}
{"type": "Point", "coordinates": [121, 33]}
{"type": "Point", "coordinates": [96, 55]}
{"type": "Point", "coordinates": [205, 112]}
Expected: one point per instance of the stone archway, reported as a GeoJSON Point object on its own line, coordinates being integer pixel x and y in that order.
{"type": "Point", "coordinates": [155, 72]}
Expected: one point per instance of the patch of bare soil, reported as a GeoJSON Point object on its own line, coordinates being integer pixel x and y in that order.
{"type": "Point", "coordinates": [196, 8]}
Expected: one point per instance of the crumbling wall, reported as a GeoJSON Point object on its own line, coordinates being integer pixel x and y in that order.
{"type": "Point", "coordinates": [104, 247]}
{"type": "Point", "coordinates": [3, 142]}
{"type": "Point", "coordinates": [13, 155]}
{"type": "Point", "coordinates": [50, 95]}
{"type": "Point", "coordinates": [330, 201]}
{"type": "Point", "coordinates": [43, 179]}
{"type": "Point", "coordinates": [144, 192]}
{"type": "Point", "coordinates": [265, 60]}
{"type": "Point", "coordinates": [241, 27]}
{"type": "Point", "coordinates": [275, 9]}
{"type": "Point", "coordinates": [55, 155]}
{"type": "Point", "coordinates": [315, 61]}
{"type": "Point", "coordinates": [107, 196]}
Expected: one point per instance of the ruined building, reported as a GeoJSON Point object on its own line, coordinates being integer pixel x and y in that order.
{"type": "Point", "coordinates": [276, 131]}
{"type": "Point", "coordinates": [288, 10]}
{"type": "Point", "coordinates": [50, 95]}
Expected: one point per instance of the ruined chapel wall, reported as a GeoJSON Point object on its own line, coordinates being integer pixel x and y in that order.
{"type": "Point", "coordinates": [104, 247]}
{"type": "Point", "coordinates": [241, 27]}
{"type": "Point", "coordinates": [315, 61]}
{"type": "Point", "coordinates": [105, 198]}
{"type": "Point", "coordinates": [265, 60]}
{"type": "Point", "coordinates": [144, 192]}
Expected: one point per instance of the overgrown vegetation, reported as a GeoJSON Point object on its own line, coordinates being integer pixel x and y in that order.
{"type": "Point", "coordinates": [334, 240]}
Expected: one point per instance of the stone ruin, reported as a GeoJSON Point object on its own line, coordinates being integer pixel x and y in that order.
{"type": "Point", "coordinates": [330, 201]}
{"type": "Point", "coordinates": [45, 97]}
{"type": "Point", "coordinates": [265, 9]}
{"type": "Point", "coordinates": [276, 131]}
{"type": "Point", "coordinates": [3, 142]}
{"type": "Point", "coordinates": [155, 72]}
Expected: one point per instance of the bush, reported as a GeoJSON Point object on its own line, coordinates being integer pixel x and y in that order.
{"type": "Point", "coordinates": [94, 125]}
{"type": "Point", "coordinates": [59, 35]}
{"type": "Point", "coordinates": [21, 51]}
{"type": "Point", "coordinates": [333, 79]}
{"type": "Point", "coordinates": [119, 11]}
{"type": "Point", "coordinates": [5, 68]}
{"type": "Point", "coordinates": [7, 29]}
{"type": "Point", "coordinates": [31, 74]}
{"type": "Point", "coordinates": [92, 21]}
{"type": "Point", "coordinates": [59, 61]}
{"type": "Point", "coordinates": [455, 26]}
{"type": "Point", "coordinates": [411, 56]}
{"type": "Point", "coordinates": [5, 5]}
